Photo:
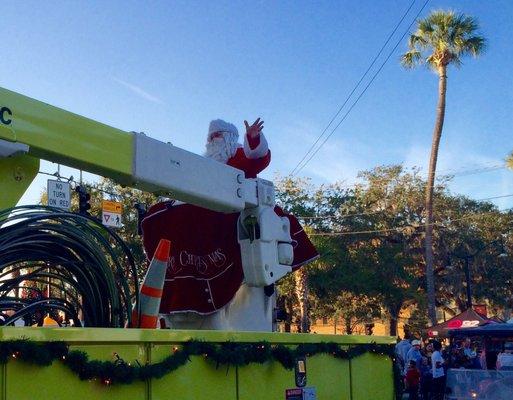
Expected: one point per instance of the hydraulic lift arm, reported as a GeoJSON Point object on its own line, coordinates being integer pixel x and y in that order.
{"type": "Point", "coordinates": [42, 131]}
{"type": "Point", "coordinates": [131, 159]}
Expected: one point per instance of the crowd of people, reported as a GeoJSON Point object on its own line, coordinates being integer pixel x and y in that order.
{"type": "Point", "coordinates": [422, 368]}
{"type": "Point", "coordinates": [424, 365]}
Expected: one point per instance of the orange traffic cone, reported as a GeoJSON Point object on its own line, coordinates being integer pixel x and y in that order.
{"type": "Point", "coordinates": [50, 322]}
{"type": "Point", "coordinates": [151, 289]}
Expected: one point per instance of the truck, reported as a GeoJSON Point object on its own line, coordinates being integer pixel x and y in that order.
{"type": "Point", "coordinates": [332, 367]}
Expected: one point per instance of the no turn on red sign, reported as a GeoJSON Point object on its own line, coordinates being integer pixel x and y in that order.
{"type": "Point", "coordinates": [111, 213]}
{"type": "Point", "coordinates": [59, 194]}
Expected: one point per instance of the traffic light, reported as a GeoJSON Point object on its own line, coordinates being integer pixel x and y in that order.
{"type": "Point", "coordinates": [141, 213]}
{"type": "Point", "coordinates": [83, 200]}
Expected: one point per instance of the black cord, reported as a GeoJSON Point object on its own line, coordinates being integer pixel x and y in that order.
{"type": "Point", "coordinates": [74, 256]}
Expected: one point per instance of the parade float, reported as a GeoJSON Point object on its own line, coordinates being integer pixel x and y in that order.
{"type": "Point", "coordinates": [104, 348]}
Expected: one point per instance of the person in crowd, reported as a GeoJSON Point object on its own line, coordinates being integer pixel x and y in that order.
{"type": "Point", "coordinates": [470, 354]}
{"type": "Point", "coordinates": [428, 350]}
{"type": "Point", "coordinates": [401, 351]}
{"type": "Point", "coordinates": [414, 354]}
{"type": "Point", "coordinates": [505, 358]}
{"type": "Point", "coordinates": [412, 380]}
{"type": "Point", "coordinates": [438, 371]}
{"type": "Point", "coordinates": [426, 378]}
{"type": "Point", "coordinates": [455, 356]}
{"type": "Point", "coordinates": [467, 349]}
{"type": "Point", "coordinates": [482, 359]}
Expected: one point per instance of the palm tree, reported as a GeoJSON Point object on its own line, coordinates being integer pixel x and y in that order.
{"type": "Point", "coordinates": [441, 39]}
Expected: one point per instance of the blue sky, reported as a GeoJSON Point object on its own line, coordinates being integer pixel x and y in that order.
{"type": "Point", "coordinates": [168, 67]}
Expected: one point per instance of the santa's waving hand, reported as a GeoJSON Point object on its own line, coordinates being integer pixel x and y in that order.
{"type": "Point", "coordinates": [222, 145]}
{"type": "Point", "coordinates": [254, 130]}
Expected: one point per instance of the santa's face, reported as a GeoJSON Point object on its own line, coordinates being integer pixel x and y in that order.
{"type": "Point", "coordinates": [221, 146]}
{"type": "Point", "coordinates": [216, 135]}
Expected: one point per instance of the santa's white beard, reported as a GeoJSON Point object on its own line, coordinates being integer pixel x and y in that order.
{"type": "Point", "coordinates": [221, 149]}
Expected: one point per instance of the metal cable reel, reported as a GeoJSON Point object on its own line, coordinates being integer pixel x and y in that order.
{"type": "Point", "coordinates": [64, 265]}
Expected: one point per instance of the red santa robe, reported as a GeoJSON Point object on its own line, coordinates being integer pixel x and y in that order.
{"type": "Point", "coordinates": [205, 268]}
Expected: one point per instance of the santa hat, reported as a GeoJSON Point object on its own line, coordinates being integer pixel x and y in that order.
{"type": "Point", "coordinates": [218, 125]}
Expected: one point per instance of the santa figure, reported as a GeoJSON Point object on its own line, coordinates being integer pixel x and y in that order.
{"type": "Point", "coordinates": [204, 286]}
{"type": "Point", "coordinates": [223, 146]}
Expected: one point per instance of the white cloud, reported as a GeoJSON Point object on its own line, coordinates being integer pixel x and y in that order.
{"type": "Point", "coordinates": [141, 92]}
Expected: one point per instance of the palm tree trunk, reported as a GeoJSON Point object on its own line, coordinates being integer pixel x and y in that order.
{"type": "Point", "coordinates": [437, 134]}
{"type": "Point", "coordinates": [301, 278]}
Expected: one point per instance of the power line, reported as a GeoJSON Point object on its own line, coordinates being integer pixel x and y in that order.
{"type": "Point", "coordinates": [357, 85]}
{"type": "Point", "coordinates": [458, 172]}
{"type": "Point", "coordinates": [496, 197]}
{"type": "Point", "coordinates": [400, 228]}
{"type": "Point", "coordinates": [71, 179]}
{"type": "Point", "coordinates": [448, 175]}
{"type": "Point", "coordinates": [363, 92]}
{"type": "Point", "coordinates": [342, 216]}
{"type": "Point", "coordinates": [475, 171]}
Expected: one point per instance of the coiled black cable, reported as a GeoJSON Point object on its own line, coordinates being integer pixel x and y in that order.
{"type": "Point", "coordinates": [83, 264]}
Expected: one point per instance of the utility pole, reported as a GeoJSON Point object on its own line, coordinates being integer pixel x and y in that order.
{"type": "Point", "coordinates": [467, 277]}
{"type": "Point", "coordinates": [468, 258]}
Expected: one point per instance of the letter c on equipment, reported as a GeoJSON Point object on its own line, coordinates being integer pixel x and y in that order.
{"type": "Point", "coordinates": [3, 119]}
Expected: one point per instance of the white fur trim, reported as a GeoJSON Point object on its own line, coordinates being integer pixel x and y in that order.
{"type": "Point", "coordinates": [259, 151]}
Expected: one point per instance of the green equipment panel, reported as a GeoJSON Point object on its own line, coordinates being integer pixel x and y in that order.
{"type": "Point", "coordinates": [365, 377]}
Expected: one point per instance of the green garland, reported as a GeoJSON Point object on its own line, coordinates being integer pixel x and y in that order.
{"type": "Point", "coordinates": [227, 353]}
